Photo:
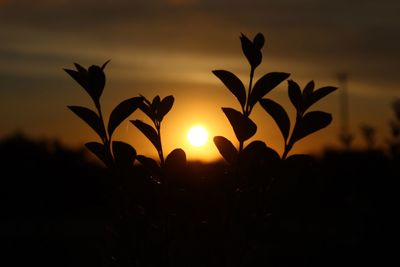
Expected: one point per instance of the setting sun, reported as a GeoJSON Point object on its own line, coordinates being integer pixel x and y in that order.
{"type": "Point", "coordinates": [197, 136]}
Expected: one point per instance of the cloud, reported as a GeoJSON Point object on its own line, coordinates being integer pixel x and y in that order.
{"type": "Point", "coordinates": [308, 37]}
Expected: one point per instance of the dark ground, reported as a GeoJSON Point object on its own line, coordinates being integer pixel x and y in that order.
{"type": "Point", "coordinates": [60, 209]}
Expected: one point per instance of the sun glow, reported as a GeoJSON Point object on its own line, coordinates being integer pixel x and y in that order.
{"type": "Point", "coordinates": [197, 136]}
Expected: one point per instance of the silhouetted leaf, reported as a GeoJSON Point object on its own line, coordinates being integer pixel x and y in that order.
{"type": "Point", "coordinates": [243, 127]}
{"type": "Point", "coordinates": [155, 103]}
{"type": "Point", "coordinates": [145, 108]}
{"type": "Point", "coordinates": [265, 84]}
{"type": "Point", "coordinates": [164, 107]}
{"type": "Point", "coordinates": [308, 90]}
{"type": "Point", "coordinates": [226, 149]}
{"type": "Point", "coordinates": [149, 163]}
{"type": "Point", "coordinates": [79, 76]}
{"type": "Point", "coordinates": [258, 152]}
{"type": "Point", "coordinates": [96, 82]}
{"type": "Point", "coordinates": [149, 132]}
{"type": "Point", "coordinates": [233, 83]}
{"type": "Point", "coordinates": [279, 114]}
{"type": "Point", "coordinates": [80, 69]}
{"type": "Point", "coordinates": [122, 111]}
{"type": "Point", "coordinates": [310, 123]}
{"type": "Point", "coordinates": [100, 151]}
{"type": "Point", "coordinates": [146, 100]}
{"type": "Point", "coordinates": [105, 64]}
{"type": "Point", "coordinates": [91, 118]}
{"type": "Point", "coordinates": [124, 154]}
{"type": "Point", "coordinates": [252, 54]}
{"type": "Point", "coordinates": [295, 95]}
{"type": "Point", "coordinates": [317, 95]}
{"type": "Point", "coordinates": [258, 41]}
{"type": "Point", "coordinates": [175, 162]}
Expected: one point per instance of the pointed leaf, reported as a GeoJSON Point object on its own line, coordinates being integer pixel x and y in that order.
{"type": "Point", "coordinates": [252, 54]}
{"type": "Point", "coordinates": [105, 64]}
{"type": "Point", "coordinates": [317, 95]}
{"type": "Point", "coordinates": [265, 84]}
{"type": "Point", "coordinates": [149, 132]}
{"type": "Point", "coordinates": [279, 115]}
{"type": "Point", "coordinates": [226, 149]}
{"type": "Point", "coordinates": [175, 161]}
{"type": "Point", "coordinates": [243, 127]}
{"type": "Point", "coordinates": [233, 83]}
{"type": "Point", "coordinates": [295, 95]}
{"type": "Point", "coordinates": [80, 69]}
{"type": "Point", "coordinates": [155, 103]}
{"type": "Point", "coordinates": [80, 78]}
{"type": "Point", "coordinates": [96, 82]}
{"type": "Point", "coordinates": [91, 118]}
{"type": "Point", "coordinates": [308, 90]}
{"type": "Point", "coordinates": [164, 107]}
{"type": "Point", "coordinates": [124, 154]}
{"type": "Point", "coordinates": [145, 108]}
{"type": "Point", "coordinates": [100, 151]}
{"type": "Point", "coordinates": [146, 100]}
{"type": "Point", "coordinates": [310, 123]}
{"type": "Point", "coordinates": [258, 41]}
{"type": "Point", "coordinates": [122, 111]}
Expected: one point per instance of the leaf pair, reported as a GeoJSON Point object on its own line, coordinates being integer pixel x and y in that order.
{"type": "Point", "coordinates": [92, 80]}
{"type": "Point", "coordinates": [252, 49]}
{"type": "Point", "coordinates": [256, 150]}
{"type": "Point", "coordinates": [303, 100]}
{"type": "Point", "coordinates": [156, 111]}
{"type": "Point", "coordinates": [124, 154]}
{"type": "Point", "coordinates": [122, 111]}
{"type": "Point", "coordinates": [175, 163]}
{"type": "Point", "coordinates": [305, 124]}
{"type": "Point", "coordinates": [262, 87]}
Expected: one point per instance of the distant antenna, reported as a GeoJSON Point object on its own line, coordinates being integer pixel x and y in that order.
{"type": "Point", "coordinates": [345, 137]}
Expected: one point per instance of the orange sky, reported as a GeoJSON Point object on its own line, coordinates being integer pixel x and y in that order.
{"type": "Point", "coordinates": [170, 47]}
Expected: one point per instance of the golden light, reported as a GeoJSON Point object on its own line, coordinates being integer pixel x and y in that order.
{"type": "Point", "coordinates": [197, 136]}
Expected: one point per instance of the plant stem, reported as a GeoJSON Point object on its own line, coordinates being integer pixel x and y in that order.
{"type": "Point", "coordinates": [289, 145]}
{"type": "Point", "coordinates": [247, 111]}
{"type": "Point", "coordinates": [106, 140]}
{"type": "Point", "coordinates": [160, 152]}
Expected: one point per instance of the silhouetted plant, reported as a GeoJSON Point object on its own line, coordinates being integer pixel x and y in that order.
{"type": "Point", "coordinates": [110, 152]}
{"type": "Point", "coordinates": [306, 123]}
{"type": "Point", "coordinates": [243, 127]}
{"type": "Point", "coordinates": [156, 111]}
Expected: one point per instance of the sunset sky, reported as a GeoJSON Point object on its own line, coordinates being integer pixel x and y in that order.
{"type": "Point", "coordinates": [170, 47]}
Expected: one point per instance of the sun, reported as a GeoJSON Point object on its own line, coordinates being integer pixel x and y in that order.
{"type": "Point", "coordinates": [197, 136]}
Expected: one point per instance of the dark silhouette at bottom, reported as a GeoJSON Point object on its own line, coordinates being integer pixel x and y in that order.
{"type": "Point", "coordinates": [58, 209]}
